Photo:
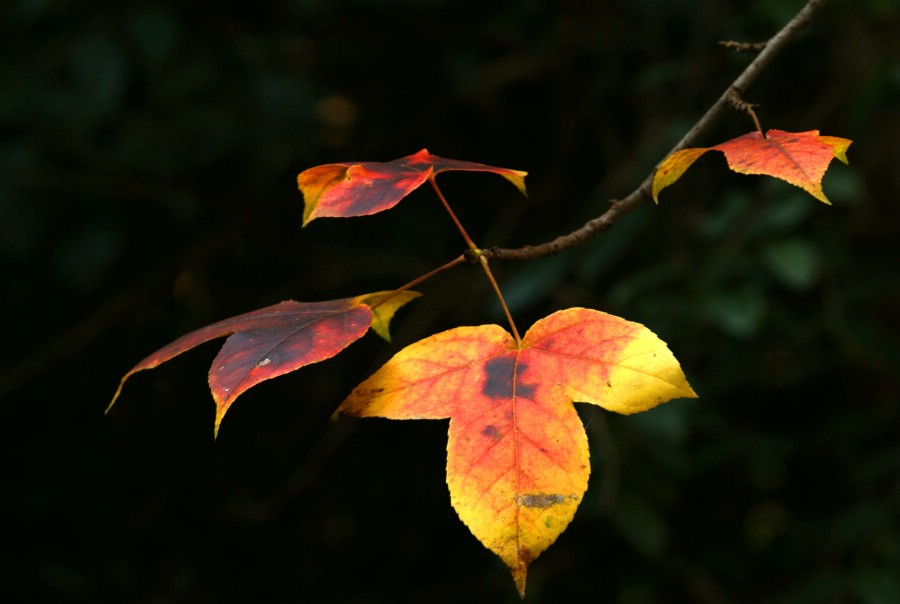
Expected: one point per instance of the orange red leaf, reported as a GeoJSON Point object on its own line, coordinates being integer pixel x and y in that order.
{"type": "Point", "coordinates": [278, 339]}
{"type": "Point", "coordinates": [800, 158]}
{"type": "Point", "coordinates": [360, 189]}
{"type": "Point", "coordinates": [517, 453]}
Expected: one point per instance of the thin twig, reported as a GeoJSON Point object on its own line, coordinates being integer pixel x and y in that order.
{"type": "Point", "coordinates": [642, 193]}
{"type": "Point", "coordinates": [458, 260]}
{"type": "Point", "coordinates": [743, 47]}
{"type": "Point", "coordinates": [734, 97]}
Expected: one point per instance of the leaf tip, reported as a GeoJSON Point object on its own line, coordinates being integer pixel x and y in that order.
{"type": "Point", "coordinates": [220, 413]}
{"type": "Point", "coordinates": [383, 306]}
{"type": "Point", "coordinates": [382, 329]}
{"type": "Point", "coordinates": [672, 167]}
{"type": "Point", "coordinates": [314, 183]}
{"type": "Point", "coordinates": [841, 153]}
{"type": "Point", "coordinates": [839, 146]}
{"type": "Point", "coordinates": [519, 575]}
{"type": "Point", "coordinates": [119, 389]}
{"type": "Point", "coordinates": [817, 192]}
{"type": "Point", "coordinates": [116, 395]}
{"type": "Point", "coordinates": [654, 190]}
{"type": "Point", "coordinates": [309, 213]}
{"type": "Point", "coordinates": [517, 178]}
{"type": "Point", "coordinates": [657, 185]}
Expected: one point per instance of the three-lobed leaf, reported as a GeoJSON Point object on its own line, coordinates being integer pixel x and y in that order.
{"type": "Point", "coordinates": [800, 158]}
{"type": "Point", "coordinates": [517, 453]}
{"type": "Point", "coordinates": [275, 340]}
{"type": "Point", "coordinates": [359, 189]}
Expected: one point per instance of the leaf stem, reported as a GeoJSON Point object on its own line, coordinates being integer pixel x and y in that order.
{"type": "Point", "coordinates": [458, 260]}
{"type": "Point", "coordinates": [475, 251]}
{"type": "Point", "coordinates": [456, 221]}
{"type": "Point", "coordinates": [512, 325]}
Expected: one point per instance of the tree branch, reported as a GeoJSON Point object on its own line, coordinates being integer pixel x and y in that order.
{"type": "Point", "coordinates": [642, 194]}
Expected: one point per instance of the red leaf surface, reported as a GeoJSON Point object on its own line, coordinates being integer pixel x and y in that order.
{"type": "Point", "coordinates": [517, 453]}
{"type": "Point", "coordinates": [800, 158]}
{"type": "Point", "coordinates": [275, 340]}
{"type": "Point", "coordinates": [360, 189]}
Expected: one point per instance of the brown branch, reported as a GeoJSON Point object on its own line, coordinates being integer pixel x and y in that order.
{"type": "Point", "coordinates": [642, 193]}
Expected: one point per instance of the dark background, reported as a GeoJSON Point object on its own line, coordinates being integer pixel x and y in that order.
{"type": "Point", "coordinates": [147, 187]}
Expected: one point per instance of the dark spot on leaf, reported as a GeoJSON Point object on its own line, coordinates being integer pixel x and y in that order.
{"type": "Point", "coordinates": [542, 500]}
{"type": "Point", "coordinates": [498, 377]}
{"type": "Point", "coordinates": [498, 382]}
{"type": "Point", "coordinates": [491, 432]}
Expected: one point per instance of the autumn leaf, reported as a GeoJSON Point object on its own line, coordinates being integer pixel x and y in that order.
{"type": "Point", "coordinates": [517, 453]}
{"type": "Point", "coordinates": [800, 158]}
{"type": "Point", "coordinates": [276, 340]}
{"type": "Point", "coordinates": [360, 189]}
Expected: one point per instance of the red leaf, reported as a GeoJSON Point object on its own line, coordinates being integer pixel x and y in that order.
{"type": "Point", "coordinates": [800, 158]}
{"type": "Point", "coordinates": [517, 453]}
{"type": "Point", "coordinates": [275, 340]}
{"type": "Point", "coordinates": [360, 189]}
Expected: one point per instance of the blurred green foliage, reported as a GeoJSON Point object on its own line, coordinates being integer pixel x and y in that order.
{"type": "Point", "coordinates": [147, 170]}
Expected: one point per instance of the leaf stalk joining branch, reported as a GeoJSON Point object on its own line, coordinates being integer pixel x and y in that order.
{"type": "Point", "coordinates": [642, 193]}
{"type": "Point", "coordinates": [734, 97]}
{"type": "Point", "coordinates": [474, 252]}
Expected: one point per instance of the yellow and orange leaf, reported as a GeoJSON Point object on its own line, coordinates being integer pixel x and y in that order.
{"type": "Point", "coordinates": [272, 341]}
{"type": "Point", "coordinates": [517, 453]}
{"type": "Point", "coordinates": [800, 158]}
{"type": "Point", "coordinates": [360, 189]}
